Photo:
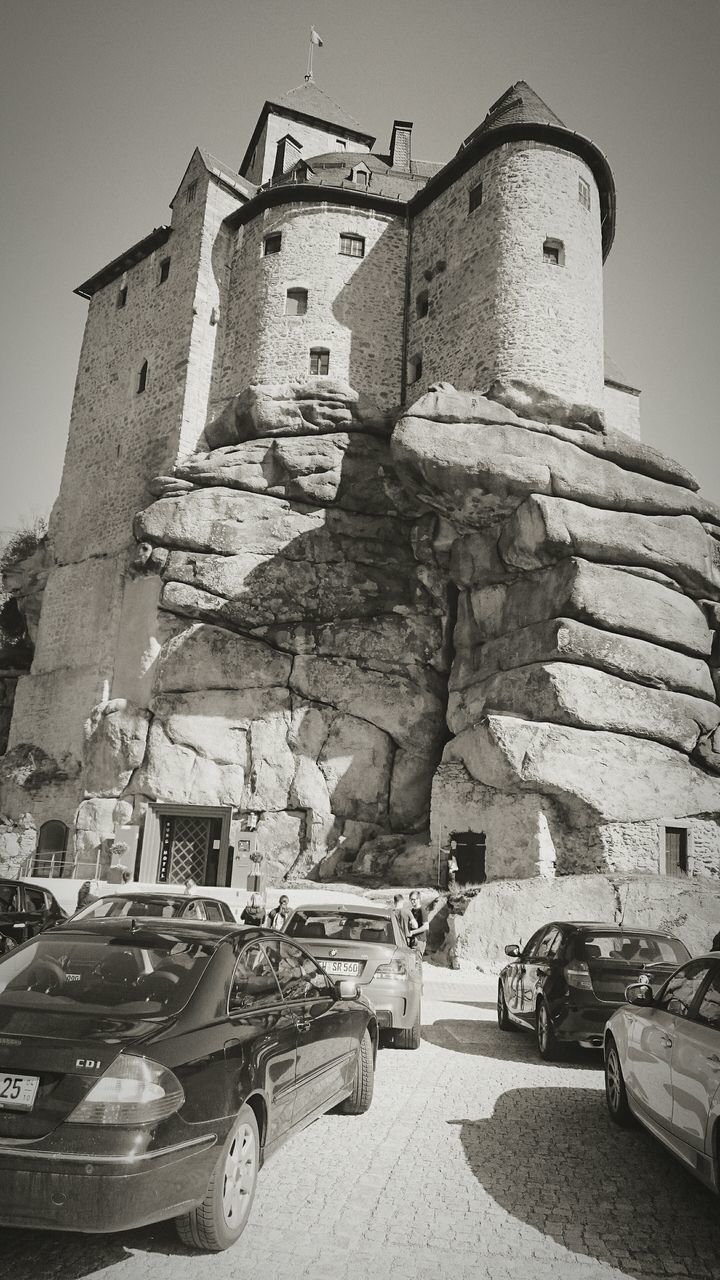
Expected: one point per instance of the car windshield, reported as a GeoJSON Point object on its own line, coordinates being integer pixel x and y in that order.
{"type": "Point", "coordinates": [339, 926]}
{"type": "Point", "coordinates": [119, 976]}
{"type": "Point", "coordinates": [159, 907]}
{"type": "Point", "coordinates": [632, 948]}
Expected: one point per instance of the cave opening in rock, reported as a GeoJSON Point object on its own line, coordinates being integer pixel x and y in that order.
{"type": "Point", "coordinates": [470, 849]}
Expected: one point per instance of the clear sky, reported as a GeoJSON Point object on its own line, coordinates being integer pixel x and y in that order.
{"type": "Point", "coordinates": [104, 101]}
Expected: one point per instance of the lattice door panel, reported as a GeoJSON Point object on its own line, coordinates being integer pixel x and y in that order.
{"type": "Point", "coordinates": [189, 848]}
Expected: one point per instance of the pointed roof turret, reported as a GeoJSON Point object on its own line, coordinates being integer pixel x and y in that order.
{"type": "Point", "coordinates": [519, 114]}
{"type": "Point", "coordinates": [517, 105]}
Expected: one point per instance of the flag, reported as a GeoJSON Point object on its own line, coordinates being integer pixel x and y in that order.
{"type": "Point", "coordinates": [315, 39]}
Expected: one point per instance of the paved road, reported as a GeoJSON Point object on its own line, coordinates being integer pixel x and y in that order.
{"type": "Point", "coordinates": [475, 1160]}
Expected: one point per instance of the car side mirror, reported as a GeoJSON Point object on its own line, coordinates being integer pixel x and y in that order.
{"type": "Point", "coordinates": [512, 950]}
{"type": "Point", "coordinates": [639, 993]}
{"type": "Point", "coordinates": [346, 989]}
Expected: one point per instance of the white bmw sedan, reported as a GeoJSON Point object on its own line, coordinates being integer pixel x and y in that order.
{"type": "Point", "coordinates": [662, 1064]}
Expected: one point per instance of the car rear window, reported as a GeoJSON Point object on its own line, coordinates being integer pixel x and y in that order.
{"type": "Point", "coordinates": [632, 948]}
{"type": "Point", "coordinates": [102, 975]}
{"type": "Point", "coordinates": [340, 926]}
{"type": "Point", "coordinates": [158, 908]}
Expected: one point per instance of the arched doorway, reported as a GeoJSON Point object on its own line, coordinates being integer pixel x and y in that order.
{"type": "Point", "coordinates": [51, 849]}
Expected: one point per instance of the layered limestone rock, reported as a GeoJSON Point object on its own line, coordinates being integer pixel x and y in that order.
{"type": "Point", "coordinates": [303, 682]}
{"type": "Point", "coordinates": [533, 599]}
{"type": "Point", "coordinates": [582, 694]}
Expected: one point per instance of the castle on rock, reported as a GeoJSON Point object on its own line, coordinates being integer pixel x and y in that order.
{"type": "Point", "coordinates": [357, 549]}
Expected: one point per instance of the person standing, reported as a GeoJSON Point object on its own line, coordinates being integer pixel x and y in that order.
{"type": "Point", "coordinates": [402, 915]}
{"type": "Point", "coordinates": [452, 867]}
{"type": "Point", "coordinates": [419, 924]}
{"type": "Point", "coordinates": [715, 944]}
{"type": "Point", "coordinates": [279, 917]}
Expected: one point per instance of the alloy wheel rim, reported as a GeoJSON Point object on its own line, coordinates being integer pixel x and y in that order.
{"type": "Point", "coordinates": [613, 1080]}
{"type": "Point", "coordinates": [239, 1176]}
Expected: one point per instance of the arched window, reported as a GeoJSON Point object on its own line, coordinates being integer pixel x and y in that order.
{"type": "Point", "coordinates": [319, 360]}
{"type": "Point", "coordinates": [296, 302]}
{"type": "Point", "coordinates": [51, 849]}
{"type": "Point", "coordinates": [142, 377]}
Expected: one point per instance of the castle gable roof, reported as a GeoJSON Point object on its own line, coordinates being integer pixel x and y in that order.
{"type": "Point", "coordinates": [309, 99]}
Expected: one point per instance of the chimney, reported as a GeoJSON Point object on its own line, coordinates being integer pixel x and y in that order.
{"type": "Point", "coordinates": [400, 145]}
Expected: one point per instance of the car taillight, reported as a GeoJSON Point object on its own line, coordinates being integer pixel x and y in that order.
{"type": "Point", "coordinates": [132, 1091]}
{"type": "Point", "coordinates": [395, 969]}
{"type": "Point", "coordinates": [578, 975]}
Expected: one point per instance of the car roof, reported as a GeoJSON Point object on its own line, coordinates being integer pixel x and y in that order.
{"type": "Point", "coordinates": [609, 928]}
{"type": "Point", "coordinates": [351, 908]}
{"type": "Point", "coordinates": [130, 895]}
{"type": "Point", "coordinates": [127, 928]}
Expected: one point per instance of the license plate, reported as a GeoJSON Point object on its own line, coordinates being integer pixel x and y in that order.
{"type": "Point", "coordinates": [17, 1093]}
{"type": "Point", "coordinates": [341, 968]}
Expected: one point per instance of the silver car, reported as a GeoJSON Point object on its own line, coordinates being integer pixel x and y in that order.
{"type": "Point", "coordinates": [365, 944]}
{"type": "Point", "coordinates": [662, 1064]}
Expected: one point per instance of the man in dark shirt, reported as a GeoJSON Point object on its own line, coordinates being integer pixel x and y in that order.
{"type": "Point", "coordinates": [715, 944]}
{"type": "Point", "coordinates": [419, 923]}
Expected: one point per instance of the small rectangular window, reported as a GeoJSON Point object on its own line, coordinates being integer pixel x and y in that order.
{"type": "Point", "coordinates": [361, 178]}
{"type": "Point", "coordinates": [164, 270]}
{"type": "Point", "coordinates": [272, 243]}
{"type": "Point", "coordinates": [554, 253]}
{"type": "Point", "coordinates": [676, 851]}
{"type": "Point", "coordinates": [319, 360]}
{"type": "Point", "coordinates": [422, 304]}
{"type": "Point", "coordinates": [191, 191]}
{"type": "Point", "coordinates": [415, 368]}
{"type": "Point", "coordinates": [475, 198]}
{"type": "Point", "coordinates": [122, 296]}
{"type": "Point", "coordinates": [352, 246]}
{"type": "Point", "coordinates": [296, 302]}
{"type": "Point", "coordinates": [584, 193]}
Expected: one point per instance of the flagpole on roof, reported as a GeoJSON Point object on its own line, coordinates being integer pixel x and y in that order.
{"type": "Point", "coordinates": [314, 40]}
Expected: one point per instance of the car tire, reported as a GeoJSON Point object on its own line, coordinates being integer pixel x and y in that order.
{"type": "Point", "coordinates": [545, 1038]}
{"type": "Point", "coordinates": [362, 1093]}
{"type": "Point", "coordinates": [615, 1091]}
{"type": "Point", "coordinates": [222, 1217]}
{"type": "Point", "coordinates": [503, 1017]}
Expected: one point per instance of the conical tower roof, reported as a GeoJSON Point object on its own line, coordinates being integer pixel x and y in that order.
{"type": "Point", "coordinates": [518, 105]}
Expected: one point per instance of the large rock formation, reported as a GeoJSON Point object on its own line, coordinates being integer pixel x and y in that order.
{"type": "Point", "coordinates": [304, 679]}
{"type": "Point", "coordinates": [583, 680]}
{"type": "Point", "coordinates": [312, 569]}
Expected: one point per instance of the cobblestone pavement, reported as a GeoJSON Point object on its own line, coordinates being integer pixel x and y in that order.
{"type": "Point", "coordinates": [474, 1160]}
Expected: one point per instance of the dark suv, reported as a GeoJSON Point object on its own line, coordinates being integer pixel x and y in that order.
{"type": "Point", "coordinates": [570, 977]}
{"type": "Point", "coordinates": [25, 909]}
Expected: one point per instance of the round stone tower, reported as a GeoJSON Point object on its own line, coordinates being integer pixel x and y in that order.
{"type": "Point", "coordinates": [508, 242]}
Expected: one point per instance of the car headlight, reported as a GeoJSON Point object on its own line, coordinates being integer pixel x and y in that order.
{"type": "Point", "coordinates": [132, 1091]}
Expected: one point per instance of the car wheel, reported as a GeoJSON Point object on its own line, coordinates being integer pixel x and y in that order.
{"type": "Point", "coordinates": [362, 1093]}
{"type": "Point", "coordinates": [547, 1043]}
{"type": "Point", "coordinates": [222, 1217]}
{"type": "Point", "coordinates": [503, 1017]}
{"type": "Point", "coordinates": [615, 1092]}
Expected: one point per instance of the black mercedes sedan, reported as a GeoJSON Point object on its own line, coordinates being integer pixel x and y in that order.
{"type": "Point", "coordinates": [148, 1068]}
{"type": "Point", "coordinates": [25, 909]}
{"type": "Point", "coordinates": [570, 977]}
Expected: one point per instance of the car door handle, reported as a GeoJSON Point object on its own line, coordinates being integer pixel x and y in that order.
{"type": "Point", "coordinates": [666, 1041]}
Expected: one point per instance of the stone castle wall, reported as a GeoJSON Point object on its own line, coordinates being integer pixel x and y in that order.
{"type": "Point", "coordinates": [354, 305]}
{"type": "Point", "coordinates": [496, 308]}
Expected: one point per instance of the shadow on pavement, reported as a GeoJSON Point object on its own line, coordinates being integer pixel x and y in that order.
{"type": "Point", "coordinates": [485, 1040]}
{"type": "Point", "coordinates": [64, 1255]}
{"type": "Point", "coordinates": [551, 1158]}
